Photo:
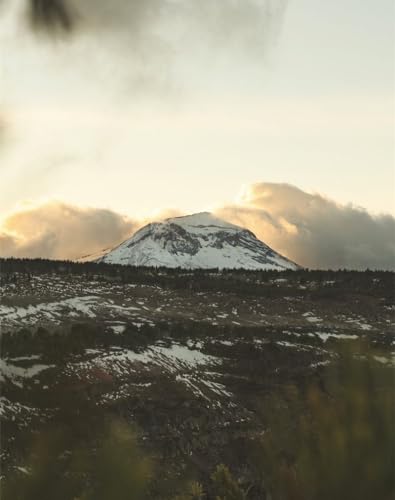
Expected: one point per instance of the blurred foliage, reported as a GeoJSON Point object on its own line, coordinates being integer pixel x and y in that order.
{"type": "Point", "coordinates": [63, 468]}
{"type": "Point", "coordinates": [225, 486]}
{"type": "Point", "coordinates": [337, 439]}
{"type": "Point", "coordinates": [193, 491]}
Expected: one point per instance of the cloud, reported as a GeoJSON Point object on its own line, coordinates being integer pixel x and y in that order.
{"type": "Point", "coordinates": [62, 231]}
{"type": "Point", "coordinates": [309, 229]}
{"type": "Point", "coordinates": [314, 231]}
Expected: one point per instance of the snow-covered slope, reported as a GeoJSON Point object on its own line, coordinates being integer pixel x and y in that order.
{"type": "Point", "coordinates": [196, 241]}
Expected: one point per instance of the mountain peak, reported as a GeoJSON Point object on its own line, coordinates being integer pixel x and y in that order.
{"type": "Point", "coordinates": [201, 219]}
{"type": "Point", "coordinates": [199, 240]}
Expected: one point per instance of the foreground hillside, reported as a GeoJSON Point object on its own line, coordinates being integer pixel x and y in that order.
{"type": "Point", "coordinates": [191, 358]}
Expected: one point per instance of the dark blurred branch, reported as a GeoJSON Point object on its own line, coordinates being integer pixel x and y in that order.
{"type": "Point", "coordinates": [51, 15]}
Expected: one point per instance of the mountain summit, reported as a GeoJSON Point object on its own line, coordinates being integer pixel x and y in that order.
{"type": "Point", "coordinates": [196, 241]}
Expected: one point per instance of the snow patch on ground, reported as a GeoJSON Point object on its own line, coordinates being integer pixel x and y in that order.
{"type": "Point", "coordinates": [11, 371]}
{"type": "Point", "coordinates": [325, 336]}
{"type": "Point", "coordinates": [118, 329]}
{"type": "Point", "coordinates": [385, 360]}
{"type": "Point", "coordinates": [226, 343]}
{"type": "Point", "coordinates": [9, 410]}
{"type": "Point", "coordinates": [49, 310]}
{"type": "Point", "coordinates": [172, 359]}
{"type": "Point", "coordinates": [311, 318]}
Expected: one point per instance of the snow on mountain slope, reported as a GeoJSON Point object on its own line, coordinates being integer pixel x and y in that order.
{"type": "Point", "coordinates": [196, 241]}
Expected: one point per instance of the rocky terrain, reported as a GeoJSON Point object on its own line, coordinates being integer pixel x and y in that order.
{"type": "Point", "coordinates": [190, 357]}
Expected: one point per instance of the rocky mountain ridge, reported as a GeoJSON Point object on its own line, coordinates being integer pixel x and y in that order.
{"type": "Point", "coordinates": [196, 241]}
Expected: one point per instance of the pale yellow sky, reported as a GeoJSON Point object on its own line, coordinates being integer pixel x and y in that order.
{"type": "Point", "coordinates": [89, 123]}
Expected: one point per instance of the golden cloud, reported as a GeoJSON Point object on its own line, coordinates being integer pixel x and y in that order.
{"type": "Point", "coordinates": [314, 231]}
{"type": "Point", "coordinates": [62, 231]}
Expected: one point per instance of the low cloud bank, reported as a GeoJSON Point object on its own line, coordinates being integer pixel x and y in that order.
{"type": "Point", "coordinates": [314, 231]}
{"type": "Point", "coordinates": [307, 228]}
{"type": "Point", "coordinates": [62, 231]}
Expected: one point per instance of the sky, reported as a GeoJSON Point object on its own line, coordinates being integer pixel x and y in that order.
{"type": "Point", "coordinates": [183, 105]}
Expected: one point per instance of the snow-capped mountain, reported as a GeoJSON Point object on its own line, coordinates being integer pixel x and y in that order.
{"type": "Point", "coordinates": [196, 241]}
